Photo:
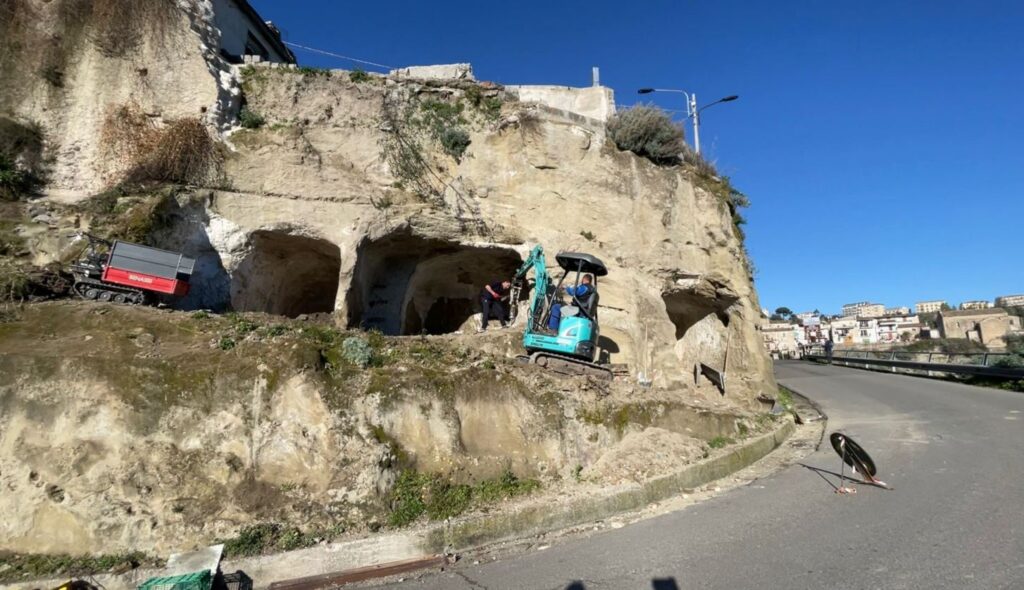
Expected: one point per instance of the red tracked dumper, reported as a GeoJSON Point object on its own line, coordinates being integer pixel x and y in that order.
{"type": "Point", "coordinates": [123, 272]}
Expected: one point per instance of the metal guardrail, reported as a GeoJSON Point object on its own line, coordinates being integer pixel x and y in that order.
{"type": "Point", "coordinates": [985, 364]}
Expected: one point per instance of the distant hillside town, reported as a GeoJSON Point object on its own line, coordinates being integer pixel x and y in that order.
{"type": "Point", "coordinates": [978, 324]}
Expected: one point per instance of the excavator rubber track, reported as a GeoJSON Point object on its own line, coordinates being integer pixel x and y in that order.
{"type": "Point", "coordinates": [567, 365]}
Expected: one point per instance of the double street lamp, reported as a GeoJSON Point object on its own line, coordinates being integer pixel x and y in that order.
{"type": "Point", "coordinates": [691, 109]}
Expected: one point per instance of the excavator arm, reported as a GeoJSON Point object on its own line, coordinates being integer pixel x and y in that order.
{"type": "Point", "coordinates": [542, 281]}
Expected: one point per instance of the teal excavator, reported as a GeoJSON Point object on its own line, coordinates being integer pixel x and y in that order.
{"type": "Point", "coordinates": [562, 330]}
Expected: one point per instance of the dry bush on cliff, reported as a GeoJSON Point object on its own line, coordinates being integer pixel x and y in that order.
{"type": "Point", "coordinates": [183, 151]}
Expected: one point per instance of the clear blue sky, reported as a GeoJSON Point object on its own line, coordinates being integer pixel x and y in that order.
{"type": "Point", "coordinates": [880, 142]}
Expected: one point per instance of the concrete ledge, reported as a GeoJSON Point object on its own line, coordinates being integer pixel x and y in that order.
{"type": "Point", "coordinates": [473, 531]}
{"type": "Point", "coordinates": [532, 520]}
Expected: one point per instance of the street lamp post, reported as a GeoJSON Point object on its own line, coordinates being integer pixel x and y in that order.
{"type": "Point", "coordinates": [691, 109]}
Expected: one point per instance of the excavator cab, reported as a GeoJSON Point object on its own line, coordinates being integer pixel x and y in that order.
{"type": "Point", "coordinates": [563, 327]}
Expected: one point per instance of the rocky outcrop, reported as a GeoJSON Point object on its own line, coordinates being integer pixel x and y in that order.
{"type": "Point", "coordinates": [377, 203]}
{"type": "Point", "coordinates": [68, 65]}
{"type": "Point", "coordinates": [135, 429]}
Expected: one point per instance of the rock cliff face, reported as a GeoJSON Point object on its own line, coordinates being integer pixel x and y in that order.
{"type": "Point", "coordinates": [385, 203]}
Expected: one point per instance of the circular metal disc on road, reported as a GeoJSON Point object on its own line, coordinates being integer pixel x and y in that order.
{"type": "Point", "coordinates": [854, 456]}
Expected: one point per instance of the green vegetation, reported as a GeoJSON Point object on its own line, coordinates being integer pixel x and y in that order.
{"type": "Point", "coordinates": [785, 398]}
{"type": "Point", "coordinates": [947, 346]}
{"type": "Point", "coordinates": [128, 214]}
{"type": "Point", "coordinates": [250, 119]}
{"type": "Point", "coordinates": [269, 537]}
{"type": "Point", "coordinates": [416, 494]}
{"type": "Point", "coordinates": [359, 76]}
{"type": "Point", "coordinates": [720, 442]}
{"type": "Point", "coordinates": [490, 106]}
{"type": "Point", "coordinates": [444, 122]}
{"type": "Point", "coordinates": [11, 243]}
{"type": "Point", "coordinates": [454, 140]}
{"type": "Point", "coordinates": [357, 351]}
{"type": "Point", "coordinates": [649, 132]}
{"type": "Point", "coordinates": [14, 281]}
{"type": "Point", "coordinates": [21, 159]}
{"type": "Point", "coordinates": [311, 71]}
{"type": "Point", "coordinates": [588, 235]}
{"type": "Point", "coordinates": [15, 567]}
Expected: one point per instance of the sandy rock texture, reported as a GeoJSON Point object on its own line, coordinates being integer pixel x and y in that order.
{"type": "Point", "coordinates": [134, 429]}
{"type": "Point", "coordinates": [374, 205]}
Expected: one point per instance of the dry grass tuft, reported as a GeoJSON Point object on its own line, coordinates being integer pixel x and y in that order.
{"type": "Point", "coordinates": [182, 152]}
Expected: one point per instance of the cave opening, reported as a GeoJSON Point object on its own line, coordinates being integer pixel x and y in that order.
{"type": "Point", "coordinates": [685, 309]}
{"type": "Point", "coordinates": [406, 284]}
{"type": "Point", "coordinates": [286, 274]}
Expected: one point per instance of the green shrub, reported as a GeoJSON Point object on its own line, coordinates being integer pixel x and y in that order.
{"type": "Point", "coordinates": [454, 140]}
{"type": "Point", "coordinates": [588, 235]}
{"type": "Point", "coordinates": [226, 343]}
{"type": "Point", "coordinates": [250, 119]}
{"type": "Point", "coordinates": [720, 441]}
{"type": "Point", "coordinates": [357, 351]}
{"type": "Point", "coordinates": [407, 498]}
{"type": "Point", "coordinates": [264, 537]}
{"type": "Point", "coordinates": [417, 494]}
{"type": "Point", "coordinates": [15, 567]}
{"type": "Point", "coordinates": [648, 131]}
{"type": "Point", "coordinates": [14, 282]}
{"type": "Point", "coordinates": [359, 76]}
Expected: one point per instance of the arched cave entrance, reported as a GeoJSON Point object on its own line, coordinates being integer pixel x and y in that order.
{"type": "Point", "coordinates": [407, 284]}
{"type": "Point", "coordinates": [286, 274]}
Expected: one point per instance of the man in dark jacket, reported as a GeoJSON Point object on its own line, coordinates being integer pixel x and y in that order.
{"type": "Point", "coordinates": [491, 297]}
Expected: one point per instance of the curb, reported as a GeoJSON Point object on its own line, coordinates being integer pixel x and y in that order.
{"type": "Point", "coordinates": [475, 532]}
{"type": "Point", "coordinates": [534, 520]}
{"type": "Point", "coordinates": [472, 532]}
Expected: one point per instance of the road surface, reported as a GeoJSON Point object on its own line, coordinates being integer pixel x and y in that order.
{"type": "Point", "coordinates": [954, 453]}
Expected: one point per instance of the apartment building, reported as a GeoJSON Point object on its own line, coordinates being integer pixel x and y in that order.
{"type": "Point", "coordinates": [782, 340]}
{"type": "Point", "coordinates": [899, 329]}
{"type": "Point", "coordinates": [897, 311]}
{"type": "Point", "coordinates": [863, 309]}
{"type": "Point", "coordinates": [928, 306]}
{"type": "Point", "coordinates": [1010, 301]}
{"type": "Point", "coordinates": [978, 304]}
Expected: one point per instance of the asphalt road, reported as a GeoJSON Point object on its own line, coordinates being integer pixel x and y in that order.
{"type": "Point", "coordinates": [955, 519]}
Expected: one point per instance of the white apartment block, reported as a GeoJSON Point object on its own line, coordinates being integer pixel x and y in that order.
{"type": "Point", "coordinates": [897, 311]}
{"type": "Point", "coordinates": [977, 304]}
{"type": "Point", "coordinates": [863, 309]}
{"type": "Point", "coordinates": [1010, 301]}
{"type": "Point", "coordinates": [928, 306]}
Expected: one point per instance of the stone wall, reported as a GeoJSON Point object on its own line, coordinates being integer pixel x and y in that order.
{"type": "Point", "coordinates": [596, 102]}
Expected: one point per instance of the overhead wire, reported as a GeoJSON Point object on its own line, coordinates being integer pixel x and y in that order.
{"type": "Point", "coordinates": [339, 56]}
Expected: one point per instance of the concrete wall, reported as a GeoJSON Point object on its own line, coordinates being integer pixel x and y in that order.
{"type": "Point", "coordinates": [435, 72]}
{"type": "Point", "coordinates": [988, 329]}
{"type": "Point", "coordinates": [596, 102]}
{"type": "Point", "coordinates": [235, 27]}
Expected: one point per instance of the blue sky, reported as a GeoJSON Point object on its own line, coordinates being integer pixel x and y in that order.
{"type": "Point", "coordinates": [880, 143]}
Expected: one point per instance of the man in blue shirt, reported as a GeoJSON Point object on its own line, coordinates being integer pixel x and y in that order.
{"type": "Point", "coordinates": [583, 291]}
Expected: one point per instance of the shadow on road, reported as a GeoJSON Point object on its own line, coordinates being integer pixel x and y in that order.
{"type": "Point", "coordinates": [820, 472]}
{"type": "Point", "coordinates": [656, 584]}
